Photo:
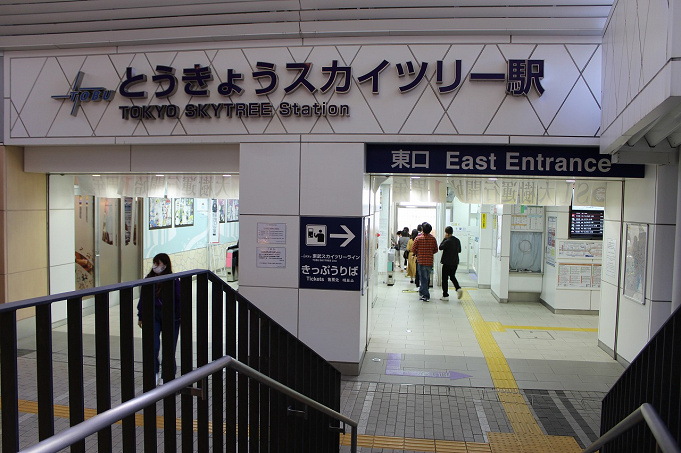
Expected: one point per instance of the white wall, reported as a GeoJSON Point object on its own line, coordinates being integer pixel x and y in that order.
{"type": "Point", "coordinates": [640, 67]}
{"type": "Point", "coordinates": [499, 265]}
{"type": "Point", "coordinates": [486, 242]}
{"type": "Point", "coordinates": [279, 183]}
{"type": "Point", "coordinates": [61, 240]}
{"type": "Point", "coordinates": [650, 201]}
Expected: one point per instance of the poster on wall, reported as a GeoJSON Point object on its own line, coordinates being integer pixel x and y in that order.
{"type": "Point", "coordinates": [214, 222]}
{"type": "Point", "coordinates": [184, 212]}
{"type": "Point", "coordinates": [160, 213]}
{"type": "Point", "coordinates": [610, 258]}
{"type": "Point", "coordinates": [551, 222]}
{"type": "Point", "coordinates": [636, 252]}
{"type": "Point", "coordinates": [85, 242]}
{"type": "Point", "coordinates": [223, 209]}
{"type": "Point", "coordinates": [130, 220]}
{"type": "Point", "coordinates": [579, 276]}
{"type": "Point", "coordinates": [232, 214]}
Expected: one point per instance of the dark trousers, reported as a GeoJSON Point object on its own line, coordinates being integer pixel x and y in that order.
{"type": "Point", "coordinates": [158, 327]}
{"type": "Point", "coordinates": [449, 272]}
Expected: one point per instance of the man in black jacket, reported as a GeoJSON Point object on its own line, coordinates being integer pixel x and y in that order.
{"type": "Point", "coordinates": [451, 247]}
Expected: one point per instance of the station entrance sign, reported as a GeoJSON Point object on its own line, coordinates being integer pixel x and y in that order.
{"type": "Point", "coordinates": [331, 253]}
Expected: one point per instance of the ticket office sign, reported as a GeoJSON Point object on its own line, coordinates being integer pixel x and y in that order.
{"type": "Point", "coordinates": [331, 253]}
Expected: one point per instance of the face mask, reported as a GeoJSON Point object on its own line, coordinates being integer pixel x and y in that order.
{"type": "Point", "coordinates": [158, 268]}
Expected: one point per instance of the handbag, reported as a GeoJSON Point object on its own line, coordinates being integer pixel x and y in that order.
{"type": "Point", "coordinates": [405, 255]}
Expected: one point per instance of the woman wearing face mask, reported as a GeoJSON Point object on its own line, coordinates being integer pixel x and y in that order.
{"type": "Point", "coordinates": [162, 266]}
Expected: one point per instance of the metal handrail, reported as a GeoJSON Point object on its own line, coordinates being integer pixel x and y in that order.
{"type": "Point", "coordinates": [92, 425]}
{"type": "Point", "coordinates": [646, 412]}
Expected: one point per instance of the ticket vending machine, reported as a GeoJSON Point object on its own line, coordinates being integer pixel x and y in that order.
{"type": "Point", "coordinates": [232, 264]}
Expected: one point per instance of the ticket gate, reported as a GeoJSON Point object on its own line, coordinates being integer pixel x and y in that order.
{"type": "Point", "coordinates": [391, 267]}
{"type": "Point", "coordinates": [232, 265]}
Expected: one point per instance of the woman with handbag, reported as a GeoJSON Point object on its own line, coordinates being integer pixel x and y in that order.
{"type": "Point", "coordinates": [411, 259]}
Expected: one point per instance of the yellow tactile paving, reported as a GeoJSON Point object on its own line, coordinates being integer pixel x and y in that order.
{"type": "Point", "coordinates": [565, 329]}
{"type": "Point", "coordinates": [518, 413]}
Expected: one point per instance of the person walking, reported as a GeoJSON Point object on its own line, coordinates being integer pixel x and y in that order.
{"type": "Point", "coordinates": [451, 247]}
{"type": "Point", "coordinates": [162, 266]}
{"type": "Point", "coordinates": [425, 246]}
{"type": "Point", "coordinates": [419, 232]}
{"type": "Point", "coordinates": [406, 234]}
{"type": "Point", "coordinates": [402, 241]}
{"type": "Point", "coordinates": [411, 261]}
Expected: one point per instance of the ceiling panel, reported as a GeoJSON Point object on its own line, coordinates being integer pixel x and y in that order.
{"type": "Point", "coordinates": [29, 24]}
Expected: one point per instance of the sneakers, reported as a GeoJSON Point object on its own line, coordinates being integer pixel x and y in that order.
{"type": "Point", "coordinates": [459, 293]}
{"type": "Point", "coordinates": [424, 299]}
{"type": "Point", "coordinates": [445, 298]}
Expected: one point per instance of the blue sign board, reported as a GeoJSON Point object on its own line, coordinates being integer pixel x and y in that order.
{"type": "Point", "coordinates": [331, 253]}
{"type": "Point", "coordinates": [496, 160]}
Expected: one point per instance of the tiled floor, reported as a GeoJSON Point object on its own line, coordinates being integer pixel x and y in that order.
{"type": "Point", "coordinates": [431, 372]}
{"type": "Point", "coordinates": [454, 376]}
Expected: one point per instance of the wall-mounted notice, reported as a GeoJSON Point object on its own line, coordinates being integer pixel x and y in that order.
{"type": "Point", "coordinates": [528, 218]}
{"type": "Point", "coordinates": [579, 276]}
{"type": "Point", "coordinates": [610, 258]}
{"type": "Point", "coordinates": [271, 257]}
{"type": "Point", "coordinates": [551, 222]}
{"type": "Point", "coordinates": [271, 233]}
{"type": "Point", "coordinates": [580, 249]}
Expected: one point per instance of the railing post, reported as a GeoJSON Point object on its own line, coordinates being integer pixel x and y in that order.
{"type": "Point", "coordinates": [202, 357]}
{"type": "Point", "coordinates": [43, 331]}
{"type": "Point", "coordinates": [127, 349]}
{"type": "Point", "coordinates": [74, 313]}
{"type": "Point", "coordinates": [186, 362]}
{"type": "Point", "coordinates": [217, 378]}
{"type": "Point", "coordinates": [9, 387]}
{"type": "Point", "coordinates": [167, 370]}
{"type": "Point", "coordinates": [230, 376]}
{"type": "Point", "coordinates": [103, 366]}
{"type": "Point", "coordinates": [147, 295]}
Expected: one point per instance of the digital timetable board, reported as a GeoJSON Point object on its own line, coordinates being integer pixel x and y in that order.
{"type": "Point", "coordinates": [586, 224]}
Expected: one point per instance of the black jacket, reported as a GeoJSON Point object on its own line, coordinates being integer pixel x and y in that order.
{"type": "Point", "coordinates": [451, 247]}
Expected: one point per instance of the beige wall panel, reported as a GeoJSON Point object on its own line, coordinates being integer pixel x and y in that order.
{"type": "Point", "coordinates": [3, 242]}
{"type": "Point", "coordinates": [23, 191]}
{"type": "Point", "coordinates": [26, 285]}
{"type": "Point", "coordinates": [3, 287]}
{"type": "Point", "coordinates": [25, 313]}
{"type": "Point", "coordinates": [3, 179]}
{"type": "Point", "coordinates": [26, 235]}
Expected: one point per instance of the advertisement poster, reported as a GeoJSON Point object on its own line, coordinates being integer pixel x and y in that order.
{"type": "Point", "coordinates": [636, 253]}
{"type": "Point", "coordinates": [214, 222]}
{"type": "Point", "coordinates": [184, 212]}
{"type": "Point", "coordinates": [223, 209]}
{"type": "Point", "coordinates": [85, 242]}
{"type": "Point", "coordinates": [160, 213]}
